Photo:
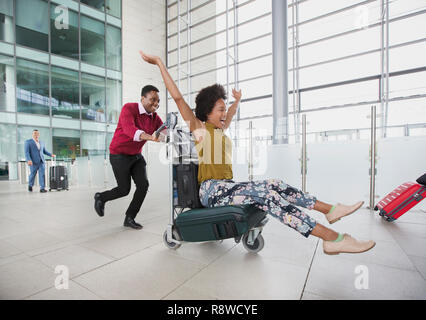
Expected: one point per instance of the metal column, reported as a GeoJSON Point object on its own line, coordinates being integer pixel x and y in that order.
{"type": "Point", "coordinates": [250, 160]}
{"type": "Point", "coordinates": [280, 67]}
{"type": "Point", "coordinates": [384, 55]}
{"type": "Point", "coordinates": [236, 76]}
{"type": "Point", "coordinates": [304, 154]}
{"type": "Point", "coordinates": [373, 158]}
{"type": "Point", "coordinates": [295, 58]}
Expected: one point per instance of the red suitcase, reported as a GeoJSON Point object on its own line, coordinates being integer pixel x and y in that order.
{"type": "Point", "coordinates": [402, 199]}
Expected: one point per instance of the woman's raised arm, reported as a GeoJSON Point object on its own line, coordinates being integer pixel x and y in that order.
{"type": "Point", "coordinates": [186, 112]}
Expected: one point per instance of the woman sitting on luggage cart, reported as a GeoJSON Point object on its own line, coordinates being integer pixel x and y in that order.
{"type": "Point", "coordinates": [273, 196]}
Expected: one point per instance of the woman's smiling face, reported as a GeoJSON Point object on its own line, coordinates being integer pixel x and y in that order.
{"type": "Point", "coordinates": [217, 116]}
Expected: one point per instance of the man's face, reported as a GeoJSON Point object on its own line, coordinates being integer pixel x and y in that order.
{"type": "Point", "coordinates": [151, 101]}
{"type": "Point", "coordinates": [36, 135]}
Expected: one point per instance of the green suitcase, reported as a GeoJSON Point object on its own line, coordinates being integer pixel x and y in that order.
{"type": "Point", "coordinates": [218, 223]}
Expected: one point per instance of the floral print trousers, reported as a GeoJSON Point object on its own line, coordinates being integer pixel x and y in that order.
{"type": "Point", "coordinates": [273, 196]}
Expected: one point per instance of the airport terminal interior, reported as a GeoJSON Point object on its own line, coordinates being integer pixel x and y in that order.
{"type": "Point", "coordinates": [333, 103]}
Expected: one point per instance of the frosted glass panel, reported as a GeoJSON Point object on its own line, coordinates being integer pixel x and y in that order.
{"type": "Point", "coordinates": [282, 163]}
{"type": "Point", "coordinates": [82, 170]}
{"type": "Point", "coordinates": [157, 169]}
{"type": "Point", "coordinates": [338, 171]}
{"type": "Point", "coordinates": [400, 160]}
{"type": "Point", "coordinates": [97, 167]}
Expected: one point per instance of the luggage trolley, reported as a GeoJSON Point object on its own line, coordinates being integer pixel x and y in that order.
{"type": "Point", "coordinates": [189, 221]}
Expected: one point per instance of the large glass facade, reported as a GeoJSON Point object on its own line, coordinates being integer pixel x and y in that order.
{"type": "Point", "coordinates": [60, 72]}
{"type": "Point", "coordinates": [341, 60]}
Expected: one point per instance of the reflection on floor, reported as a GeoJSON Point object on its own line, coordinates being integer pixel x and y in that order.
{"type": "Point", "coordinates": [39, 233]}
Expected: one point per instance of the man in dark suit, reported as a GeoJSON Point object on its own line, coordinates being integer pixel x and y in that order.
{"type": "Point", "coordinates": [136, 125]}
{"type": "Point", "coordinates": [35, 150]}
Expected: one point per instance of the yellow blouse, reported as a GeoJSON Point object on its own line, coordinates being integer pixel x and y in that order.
{"type": "Point", "coordinates": [214, 155]}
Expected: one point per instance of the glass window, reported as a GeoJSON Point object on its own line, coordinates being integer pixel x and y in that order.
{"type": "Point", "coordinates": [262, 127]}
{"type": "Point", "coordinates": [32, 87]}
{"type": "Point", "coordinates": [113, 48]}
{"type": "Point", "coordinates": [347, 69]}
{"type": "Point", "coordinates": [7, 84]}
{"type": "Point", "coordinates": [93, 143]}
{"type": "Point", "coordinates": [254, 88]}
{"type": "Point", "coordinates": [92, 97]}
{"type": "Point", "coordinates": [64, 32]}
{"type": "Point", "coordinates": [340, 95]}
{"type": "Point", "coordinates": [114, 100]}
{"type": "Point", "coordinates": [6, 20]}
{"type": "Point", "coordinates": [65, 93]}
{"type": "Point", "coordinates": [113, 7]}
{"type": "Point", "coordinates": [7, 142]}
{"type": "Point", "coordinates": [353, 43]}
{"type": "Point", "coordinates": [66, 143]}
{"type": "Point", "coordinates": [349, 118]}
{"type": "Point", "coordinates": [32, 24]}
{"type": "Point", "coordinates": [97, 4]}
{"type": "Point", "coordinates": [92, 41]}
{"type": "Point", "coordinates": [255, 67]}
{"type": "Point", "coordinates": [353, 19]}
{"type": "Point", "coordinates": [407, 85]}
{"type": "Point", "coordinates": [25, 133]}
{"type": "Point", "coordinates": [407, 57]}
{"type": "Point", "coordinates": [407, 111]}
{"type": "Point", "coordinates": [409, 29]}
{"type": "Point", "coordinates": [256, 108]}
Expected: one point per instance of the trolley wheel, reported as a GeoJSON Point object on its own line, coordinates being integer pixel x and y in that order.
{"type": "Point", "coordinates": [170, 245]}
{"type": "Point", "coordinates": [256, 246]}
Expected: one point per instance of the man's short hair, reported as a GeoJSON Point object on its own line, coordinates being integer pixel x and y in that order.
{"type": "Point", "coordinates": [147, 89]}
{"type": "Point", "coordinates": [35, 130]}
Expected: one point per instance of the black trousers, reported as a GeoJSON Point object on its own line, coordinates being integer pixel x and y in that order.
{"type": "Point", "coordinates": [125, 168]}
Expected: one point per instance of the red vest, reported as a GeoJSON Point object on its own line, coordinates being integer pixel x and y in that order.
{"type": "Point", "coordinates": [129, 122]}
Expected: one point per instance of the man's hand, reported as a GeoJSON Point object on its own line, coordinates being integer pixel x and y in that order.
{"type": "Point", "coordinates": [53, 155]}
{"type": "Point", "coordinates": [30, 163]}
{"type": "Point", "coordinates": [155, 138]}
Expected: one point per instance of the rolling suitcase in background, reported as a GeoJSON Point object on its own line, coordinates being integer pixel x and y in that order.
{"type": "Point", "coordinates": [402, 199]}
{"type": "Point", "coordinates": [58, 178]}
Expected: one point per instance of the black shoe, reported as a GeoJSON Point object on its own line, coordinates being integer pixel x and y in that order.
{"type": "Point", "coordinates": [43, 190]}
{"type": "Point", "coordinates": [30, 189]}
{"type": "Point", "coordinates": [129, 222]}
{"type": "Point", "coordinates": [99, 205]}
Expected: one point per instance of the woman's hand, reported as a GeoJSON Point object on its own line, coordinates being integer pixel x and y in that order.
{"type": "Point", "coordinates": [150, 58]}
{"type": "Point", "coordinates": [236, 94]}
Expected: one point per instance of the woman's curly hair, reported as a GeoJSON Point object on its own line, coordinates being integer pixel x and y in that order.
{"type": "Point", "coordinates": [206, 99]}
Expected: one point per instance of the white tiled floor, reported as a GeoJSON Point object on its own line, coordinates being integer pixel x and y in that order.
{"type": "Point", "coordinates": [39, 232]}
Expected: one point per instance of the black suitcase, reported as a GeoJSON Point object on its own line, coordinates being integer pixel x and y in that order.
{"type": "Point", "coordinates": [58, 178]}
{"type": "Point", "coordinates": [187, 185]}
